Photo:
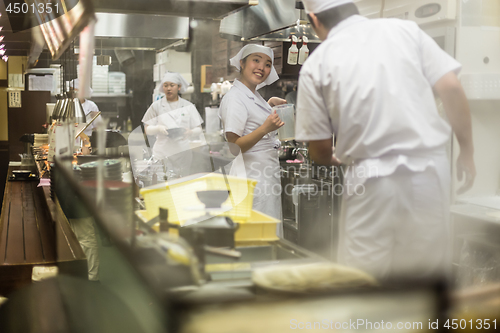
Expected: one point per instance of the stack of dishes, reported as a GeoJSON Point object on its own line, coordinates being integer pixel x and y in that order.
{"type": "Point", "coordinates": [112, 170]}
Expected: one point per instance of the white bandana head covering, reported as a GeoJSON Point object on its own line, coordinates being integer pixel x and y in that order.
{"type": "Point", "coordinates": [253, 48]}
{"type": "Point", "coordinates": [75, 84]}
{"type": "Point", "coordinates": [175, 78]}
{"type": "Point", "coordinates": [317, 6]}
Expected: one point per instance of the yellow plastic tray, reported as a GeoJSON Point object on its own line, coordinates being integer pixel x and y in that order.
{"type": "Point", "coordinates": [179, 195]}
{"type": "Point", "coordinates": [259, 227]}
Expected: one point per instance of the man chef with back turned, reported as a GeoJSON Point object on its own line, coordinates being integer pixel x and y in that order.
{"type": "Point", "coordinates": [371, 83]}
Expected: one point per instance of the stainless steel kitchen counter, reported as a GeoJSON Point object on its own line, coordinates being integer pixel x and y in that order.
{"type": "Point", "coordinates": [311, 207]}
{"type": "Point", "coordinates": [257, 255]}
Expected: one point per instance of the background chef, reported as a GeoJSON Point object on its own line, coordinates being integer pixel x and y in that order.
{"type": "Point", "coordinates": [89, 108]}
{"type": "Point", "coordinates": [178, 115]}
{"type": "Point", "coordinates": [371, 83]}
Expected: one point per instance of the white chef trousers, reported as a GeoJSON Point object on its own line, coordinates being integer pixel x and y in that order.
{"type": "Point", "coordinates": [86, 234]}
{"type": "Point", "coordinates": [400, 225]}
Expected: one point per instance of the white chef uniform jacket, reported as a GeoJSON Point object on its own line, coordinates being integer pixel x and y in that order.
{"type": "Point", "coordinates": [88, 107]}
{"type": "Point", "coordinates": [370, 83]}
{"type": "Point", "coordinates": [184, 116]}
{"type": "Point", "coordinates": [242, 112]}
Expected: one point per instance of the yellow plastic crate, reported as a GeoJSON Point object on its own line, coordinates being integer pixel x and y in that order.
{"type": "Point", "coordinates": [259, 227]}
{"type": "Point", "coordinates": [179, 195]}
{"type": "Point", "coordinates": [144, 216]}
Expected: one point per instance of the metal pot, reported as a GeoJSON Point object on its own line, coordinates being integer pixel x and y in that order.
{"type": "Point", "coordinates": [287, 152]}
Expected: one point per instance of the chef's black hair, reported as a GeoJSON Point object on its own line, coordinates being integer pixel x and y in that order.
{"type": "Point", "coordinates": [244, 60]}
{"type": "Point", "coordinates": [333, 16]}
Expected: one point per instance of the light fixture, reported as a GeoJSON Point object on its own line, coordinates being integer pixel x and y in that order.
{"type": "Point", "coordinates": [5, 58]}
{"type": "Point", "coordinates": [1, 28]}
{"type": "Point", "coordinates": [2, 46]}
{"type": "Point", "coordinates": [1, 38]}
{"type": "Point", "coordinates": [2, 52]}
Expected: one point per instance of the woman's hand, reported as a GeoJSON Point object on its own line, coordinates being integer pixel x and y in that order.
{"type": "Point", "coordinates": [272, 123]}
{"type": "Point", "coordinates": [156, 129]}
{"type": "Point", "coordinates": [467, 168]}
{"type": "Point", "coordinates": [273, 101]}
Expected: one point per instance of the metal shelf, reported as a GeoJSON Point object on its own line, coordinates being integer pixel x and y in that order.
{"type": "Point", "coordinates": [101, 95]}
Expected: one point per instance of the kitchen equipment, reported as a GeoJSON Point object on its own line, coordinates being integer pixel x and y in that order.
{"type": "Point", "coordinates": [218, 231]}
{"type": "Point", "coordinates": [287, 151]}
{"type": "Point", "coordinates": [112, 170]}
{"type": "Point", "coordinates": [58, 107]}
{"type": "Point", "coordinates": [286, 112]}
{"type": "Point", "coordinates": [176, 133]}
{"type": "Point", "coordinates": [88, 124]}
{"type": "Point", "coordinates": [258, 228]}
{"type": "Point", "coordinates": [311, 218]}
{"type": "Point", "coordinates": [213, 199]}
{"type": "Point", "coordinates": [28, 140]}
{"type": "Point", "coordinates": [178, 194]}
{"type": "Point", "coordinates": [23, 175]}
{"type": "Point", "coordinates": [73, 110]}
{"type": "Point", "coordinates": [207, 233]}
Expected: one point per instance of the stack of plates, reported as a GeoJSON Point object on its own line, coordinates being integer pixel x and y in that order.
{"type": "Point", "coordinates": [99, 77]}
{"type": "Point", "coordinates": [116, 82]}
{"type": "Point", "coordinates": [112, 170]}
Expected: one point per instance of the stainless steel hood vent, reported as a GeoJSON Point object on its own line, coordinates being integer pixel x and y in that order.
{"type": "Point", "coordinates": [202, 9]}
{"type": "Point", "coordinates": [139, 31]}
{"type": "Point", "coordinates": [141, 26]}
{"type": "Point", "coordinates": [274, 20]}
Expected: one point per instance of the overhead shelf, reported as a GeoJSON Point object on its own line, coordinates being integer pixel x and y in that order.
{"type": "Point", "coordinates": [101, 95]}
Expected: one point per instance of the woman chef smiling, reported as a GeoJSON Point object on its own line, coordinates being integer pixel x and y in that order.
{"type": "Point", "coordinates": [249, 122]}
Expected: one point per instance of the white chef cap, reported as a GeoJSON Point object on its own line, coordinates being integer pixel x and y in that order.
{"type": "Point", "coordinates": [253, 48]}
{"type": "Point", "coordinates": [75, 84]}
{"type": "Point", "coordinates": [317, 6]}
{"type": "Point", "coordinates": [175, 78]}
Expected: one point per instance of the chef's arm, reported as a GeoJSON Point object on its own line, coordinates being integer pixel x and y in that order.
{"type": "Point", "coordinates": [195, 131]}
{"type": "Point", "coordinates": [321, 152]}
{"type": "Point", "coordinates": [245, 142]}
{"type": "Point", "coordinates": [456, 107]}
{"type": "Point", "coordinates": [273, 101]}
{"type": "Point", "coordinates": [155, 129]}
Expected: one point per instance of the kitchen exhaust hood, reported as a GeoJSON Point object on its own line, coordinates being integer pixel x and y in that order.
{"type": "Point", "coordinates": [270, 20]}
{"type": "Point", "coordinates": [139, 31]}
{"type": "Point", "coordinates": [198, 9]}
{"type": "Point", "coordinates": [155, 24]}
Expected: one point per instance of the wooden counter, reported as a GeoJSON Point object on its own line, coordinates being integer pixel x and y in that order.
{"type": "Point", "coordinates": [34, 231]}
